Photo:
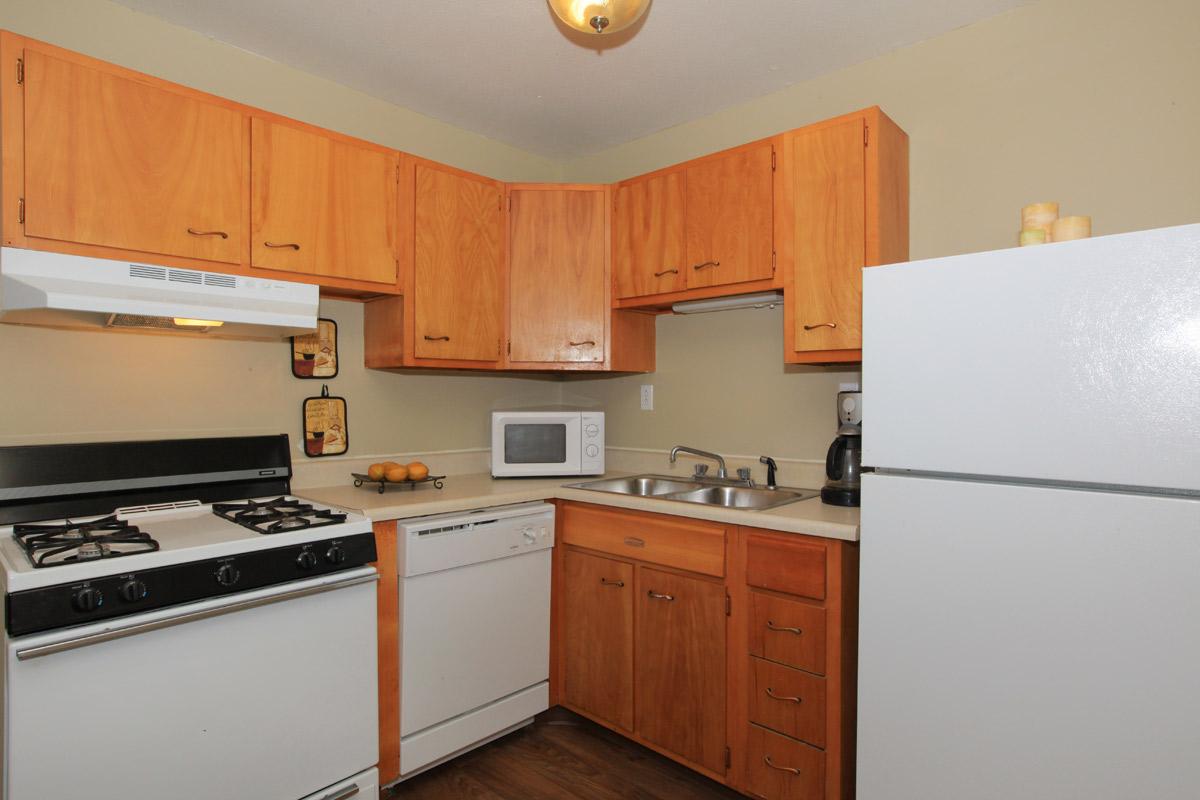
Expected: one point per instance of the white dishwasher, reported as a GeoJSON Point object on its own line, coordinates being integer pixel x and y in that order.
{"type": "Point", "coordinates": [474, 628]}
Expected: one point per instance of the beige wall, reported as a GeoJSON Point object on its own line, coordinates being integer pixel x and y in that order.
{"type": "Point", "coordinates": [142, 42]}
{"type": "Point", "coordinates": [1093, 104]}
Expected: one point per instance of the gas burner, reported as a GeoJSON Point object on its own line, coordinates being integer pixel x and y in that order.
{"type": "Point", "coordinates": [277, 516]}
{"type": "Point", "coordinates": [75, 542]}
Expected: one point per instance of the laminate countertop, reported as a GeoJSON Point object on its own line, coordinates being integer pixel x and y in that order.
{"type": "Point", "coordinates": [465, 492]}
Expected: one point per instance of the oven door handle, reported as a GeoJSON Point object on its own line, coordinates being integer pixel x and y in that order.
{"type": "Point", "coordinates": [37, 651]}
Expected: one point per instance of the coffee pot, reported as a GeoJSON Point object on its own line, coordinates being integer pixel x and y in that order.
{"type": "Point", "coordinates": [843, 462]}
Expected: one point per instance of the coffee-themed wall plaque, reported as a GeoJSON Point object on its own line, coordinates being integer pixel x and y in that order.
{"type": "Point", "coordinates": [325, 428]}
{"type": "Point", "coordinates": [315, 355]}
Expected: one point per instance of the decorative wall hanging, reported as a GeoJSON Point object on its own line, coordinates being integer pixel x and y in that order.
{"type": "Point", "coordinates": [325, 430]}
{"type": "Point", "coordinates": [315, 355]}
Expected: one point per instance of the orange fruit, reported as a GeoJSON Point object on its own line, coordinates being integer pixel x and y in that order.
{"type": "Point", "coordinates": [417, 471]}
{"type": "Point", "coordinates": [396, 474]}
{"type": "Point", "coordinates": [375, 472]}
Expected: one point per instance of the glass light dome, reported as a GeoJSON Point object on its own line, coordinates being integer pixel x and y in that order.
{"type": "Point", "coordinates": [599, 16]}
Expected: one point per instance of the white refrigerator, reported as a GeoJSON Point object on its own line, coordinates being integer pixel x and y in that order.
{"type": "Point", "coordinates": [1030, 579]}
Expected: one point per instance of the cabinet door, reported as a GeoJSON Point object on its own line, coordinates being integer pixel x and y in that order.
{"type": "Point", "coordinates": [830, 234]}
{"type": "Point", "coordinates": [322, 206]}
{"type": "Point", "coordinates": [458, 301]}
{"type": "Point", "coordinates": [118, 162]}
{"type": "Point", "coordinates": [648, 238]}
{"type": "Point", "coordinates": [557, 299]}
{"type": "Point", "coordinates": [729, 218]}
{"type": "Point", "coordinates": [680, 669]}
{"type": "Point", "coordinates": [598, 636]}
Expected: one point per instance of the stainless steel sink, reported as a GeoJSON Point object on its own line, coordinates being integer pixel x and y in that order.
{"type": "Point", "coordinates": [709, 492]}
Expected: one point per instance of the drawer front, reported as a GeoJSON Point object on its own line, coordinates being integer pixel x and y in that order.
{"type": "Point", "coordinates": [788, 701]}
{"type": "Point", "coordinates": [786, 564]}
{"type": "Point", "coordinates": [779, 768]}
{"type": "Point", "coordinates": [671, 541]}
{"type": "Point", "coordinates": [787, 631]}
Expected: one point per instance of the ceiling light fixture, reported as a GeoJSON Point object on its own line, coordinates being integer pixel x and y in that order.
{"type": "Point", "coordinates": [599, 16]}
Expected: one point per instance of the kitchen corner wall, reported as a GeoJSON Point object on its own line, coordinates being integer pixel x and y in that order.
{"type": "Point", "coordinates": [1092, 103]}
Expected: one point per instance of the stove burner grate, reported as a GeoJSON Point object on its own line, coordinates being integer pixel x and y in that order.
{"type": "Point", "coordinates": [277, 516]}
{"type": "Point", "coordinates": [53, 545]}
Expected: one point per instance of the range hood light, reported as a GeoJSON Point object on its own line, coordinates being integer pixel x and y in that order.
{"type": "Point", "coordinates": [756, 300]}
{"type": "Point", "coordinates": [185, 322]}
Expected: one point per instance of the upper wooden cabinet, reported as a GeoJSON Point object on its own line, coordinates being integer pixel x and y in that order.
{"type": "Point", "coordinates": [845, 207]}
{"type": "Point", "coordinates": [322, 205]}
{"type": "Point", "coordinates": [729, 216]}
{"type": "Point", "coordinates": [114, 161]}
{"type": "Point", "coordinates": [649, 246]}
{"type": "Point", "coordinates": [558, 302]}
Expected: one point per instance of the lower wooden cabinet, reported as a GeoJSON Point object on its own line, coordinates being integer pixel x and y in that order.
{"type": "Point", "coordinates": [745, 672]}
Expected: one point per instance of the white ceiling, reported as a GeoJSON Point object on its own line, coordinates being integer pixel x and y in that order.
{"type": "Point", "coordinates": [508, 70]}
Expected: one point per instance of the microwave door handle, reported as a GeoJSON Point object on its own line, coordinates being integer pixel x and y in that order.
{"type": "Point", "coordinates": [38, 651]}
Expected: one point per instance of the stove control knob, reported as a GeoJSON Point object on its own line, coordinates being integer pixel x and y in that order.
{"type": "Point", "coordinates": [88, 599]}
{"type": "Point", "coordinates": [228, 575]}
{"type": "Point", "coordinates": [133, 590]}
{"type": "Point", "coordinates": [336, 554]}
{"type": "Point", "coordinates": [306, 560]}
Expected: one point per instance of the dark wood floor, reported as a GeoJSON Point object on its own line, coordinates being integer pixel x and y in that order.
{"type": "Point", "coordinates": [561, 755]}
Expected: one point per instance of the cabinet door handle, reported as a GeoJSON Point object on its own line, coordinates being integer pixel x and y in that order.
{"type": "Point", "coordinates": [587, 342]}
{"type": "Point", "coordinates": [771, 626]}
{"type": "Point", "coordinates": [767, 760]}
{"type": "Point", "coordinates": [617, 584]}
{"type": "Point", "coordinates": [674, 270]}
{"type": "Point", "coordinates": [782, 697]}
{"type": "Point", "coordinates": [706, 265]}
{"type": "Point", "coordinates": [437, 338]}
{"type": "Point", "coordinates": [292, 245]}
{"type": "Point", "coordinates": [633, 541]}
{"type": "Point", "coordinates": [653, 595]}
{"type": "Point", "coordinates": [195, 232]}
{"type": "Point", "coordinates": [820, 325]}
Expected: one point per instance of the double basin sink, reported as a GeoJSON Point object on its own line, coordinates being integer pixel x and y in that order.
{"type": "Point", "coordinates": [708, 492]}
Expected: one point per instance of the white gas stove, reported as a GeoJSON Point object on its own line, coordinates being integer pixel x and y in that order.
{"type": "Point", "coordinates": [229, 625]}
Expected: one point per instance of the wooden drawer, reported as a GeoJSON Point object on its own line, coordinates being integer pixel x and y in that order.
{"type": "Point", "coordinates": [785, 564]}
{"type": "Point", "coordinates": [671, 541]}
{"type": "Point", "coordinates": [787, 631]}
{"type": "Point", "coordinates": [779, 768]}
{"type": "Point", "coordinates": [788, 701]}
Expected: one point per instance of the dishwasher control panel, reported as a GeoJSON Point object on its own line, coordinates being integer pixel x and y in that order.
{"type": "Point", "coordinates": [446, 541]}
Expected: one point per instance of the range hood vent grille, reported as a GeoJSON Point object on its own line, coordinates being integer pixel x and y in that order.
{"type": "Point", "coordinates": [147, 272]}
{"type": "Point", "coordinates": [153, 323]}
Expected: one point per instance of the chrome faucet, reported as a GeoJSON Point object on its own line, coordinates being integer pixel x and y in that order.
{"type": "Point", "coordinates": [721, 472]}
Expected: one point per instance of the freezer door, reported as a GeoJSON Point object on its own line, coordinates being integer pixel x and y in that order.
{"type": "Point", "coordinates": [1027, 642]}
{"type": "Point", "coordinates": [1076, 362]}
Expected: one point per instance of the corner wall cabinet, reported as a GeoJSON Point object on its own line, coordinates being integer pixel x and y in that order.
{"type": "Point", "coordinates": [731, 650]}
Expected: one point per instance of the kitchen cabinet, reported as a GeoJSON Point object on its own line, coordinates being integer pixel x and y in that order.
{"type": "Point", "coordinates": [558, 298]}
{"type": "Point", "coordinates": [729, 217]}
{"type": "Point", "coordinates": [845, 206]}
{"type": "Point", "coordinates": [598, 636]}
{"type": "Point", "coordinates": [649, 245]}
{"type": "Point", "coordinates": [116, 162]}
{"type": "Point", "coordinates": [322, 205]}
{"type": "Point", "coordinates": [680, 665]}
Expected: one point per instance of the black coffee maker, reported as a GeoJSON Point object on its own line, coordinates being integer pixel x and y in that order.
{"type": "Point", "coordinates": [843, 462]}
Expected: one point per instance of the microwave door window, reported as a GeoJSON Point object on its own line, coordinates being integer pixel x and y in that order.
{"type": "Point", "coordinates": [535, 444]}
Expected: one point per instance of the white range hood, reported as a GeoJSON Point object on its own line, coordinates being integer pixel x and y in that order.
{"type": "Point", "coordinates": [65, 291]}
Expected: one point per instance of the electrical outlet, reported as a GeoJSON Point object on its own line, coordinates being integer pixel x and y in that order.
{"type": "Point", "coordinates": [647, 397]}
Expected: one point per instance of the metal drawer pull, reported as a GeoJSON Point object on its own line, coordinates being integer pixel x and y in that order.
{"type": "Point", "coordinates": [588, 342]}
{"type": "Point", "coordinates": [771, 626]}
{"type": "Point", "coordinates": [634, 542]}
{"type": "Point", "coordinates": [767, 760]}
{"type": "Point", "coordinates": [706, 264]}
{"type": "Point", "coordinates": [170, 622]}
{"type": "Point", "coordinates": [674, 270]}
{"type": "Point", "coordinates": [437, 338]}
{"type": "Point", "coordinates": [342, 794]}
{"type": "Point", "coordinates": [195, 232]}
{"type": "Point", "coordinates": [653, 595]}
{"type": "Point", "coordinates": [607, 582]}
{"type": "Point", "coordinates": [820, 325]}
{"type": "Point", "coordinates": [292, 245]}
{"type": "Point", "coordinates": [783, 697]}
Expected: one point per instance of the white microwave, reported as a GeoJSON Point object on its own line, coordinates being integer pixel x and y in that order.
{"type": "Point", "coordinates": [528, 443]}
